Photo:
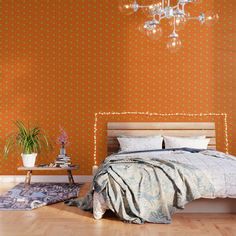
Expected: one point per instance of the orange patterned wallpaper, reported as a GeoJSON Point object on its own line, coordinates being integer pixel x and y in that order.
{"type": "Point", "coordinates": [64, 60]}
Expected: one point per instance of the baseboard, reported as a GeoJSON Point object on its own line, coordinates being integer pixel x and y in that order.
{"type": "Point", "coordinates": [218, 205]}
{"type": "Point", "coordinates": [45, 178]}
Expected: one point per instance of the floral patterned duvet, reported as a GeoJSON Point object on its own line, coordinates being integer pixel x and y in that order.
{"type": "Point", "coordinates": [149, 186]}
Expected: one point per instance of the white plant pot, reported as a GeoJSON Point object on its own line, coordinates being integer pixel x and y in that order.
{"type": "Point", "coordinates": [29, 159]}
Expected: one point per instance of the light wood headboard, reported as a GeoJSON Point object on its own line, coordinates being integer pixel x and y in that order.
{"type": "Point", "coordinates": [184, 129]}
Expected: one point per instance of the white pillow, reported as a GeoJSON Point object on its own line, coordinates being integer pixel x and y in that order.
{"type": "Point", "coordinates": [193, 137]}
{"type": "Point", "coordinates": [180, 142]}
{"type": "Point", "coordinates": [129, 144]}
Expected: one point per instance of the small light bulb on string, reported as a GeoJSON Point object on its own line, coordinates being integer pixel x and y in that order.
{"type": "Point", "coordinates": [211, 18]}
{"type": "Point", "coordinates": [174, 43]}
{"type": "Point", "coordinates": [128, 7]}
{"type": "Point", "coordinates": [155, 33]}
{"type": "Point", "coordinates": [151, 28]}
{"type": "Point", "coordinates": [179, 21]}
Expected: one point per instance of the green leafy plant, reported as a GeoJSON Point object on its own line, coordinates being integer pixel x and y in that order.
{"type": "Point", "coordinates": [28, 140]}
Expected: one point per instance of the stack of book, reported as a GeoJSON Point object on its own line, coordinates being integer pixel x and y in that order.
{"type": "Point", "coordinates": [62, 161]}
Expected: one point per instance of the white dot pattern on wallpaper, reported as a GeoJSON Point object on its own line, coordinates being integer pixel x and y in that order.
{"type": "Point", "coordinates": [64, 60]}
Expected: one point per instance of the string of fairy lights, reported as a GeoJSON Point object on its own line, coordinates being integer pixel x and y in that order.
{"type": "Point", "coordinates": [98, 114]}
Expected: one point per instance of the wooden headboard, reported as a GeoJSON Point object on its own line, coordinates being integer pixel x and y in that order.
{"type": "Point", "coordinates": [184, 129]}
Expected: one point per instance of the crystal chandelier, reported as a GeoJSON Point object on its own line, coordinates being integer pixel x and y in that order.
{"type": "Point", "coordinates": [176, 15]}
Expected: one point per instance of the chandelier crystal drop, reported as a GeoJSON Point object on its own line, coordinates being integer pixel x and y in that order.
{"type": "Point", "coordinates": [175, 14]}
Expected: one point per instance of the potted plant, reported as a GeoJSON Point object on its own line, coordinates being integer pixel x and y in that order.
{"type": "Point", "coordinates": [30, 141]}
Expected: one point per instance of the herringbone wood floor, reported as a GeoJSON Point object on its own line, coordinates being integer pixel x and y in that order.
{"type": "Point", "coordinates": [60, 219]}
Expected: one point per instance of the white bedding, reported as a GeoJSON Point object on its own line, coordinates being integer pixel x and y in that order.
{"type": "Point", "coordinates": [221, 171]}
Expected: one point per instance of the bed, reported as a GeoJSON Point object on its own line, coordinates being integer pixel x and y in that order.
{"type": "Point", "coordinates": [151, 185]}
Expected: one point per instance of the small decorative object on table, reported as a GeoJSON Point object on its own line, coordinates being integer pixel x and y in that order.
{"type": "Point", "coordinates": [62, 159]}
{"type": "Point", "coordinates": [63, 140]}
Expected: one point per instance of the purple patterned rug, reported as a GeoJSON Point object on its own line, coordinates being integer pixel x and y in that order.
{"type": "Point", "coordinates": [37, 195]}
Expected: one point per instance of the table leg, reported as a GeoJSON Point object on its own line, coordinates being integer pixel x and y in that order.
{"type": "Point", "coordinates": [70, 177]}
{"type": "Point", "coordinates": [30, 174]}
{"type": "Point", "coordinates": [28, 177]}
